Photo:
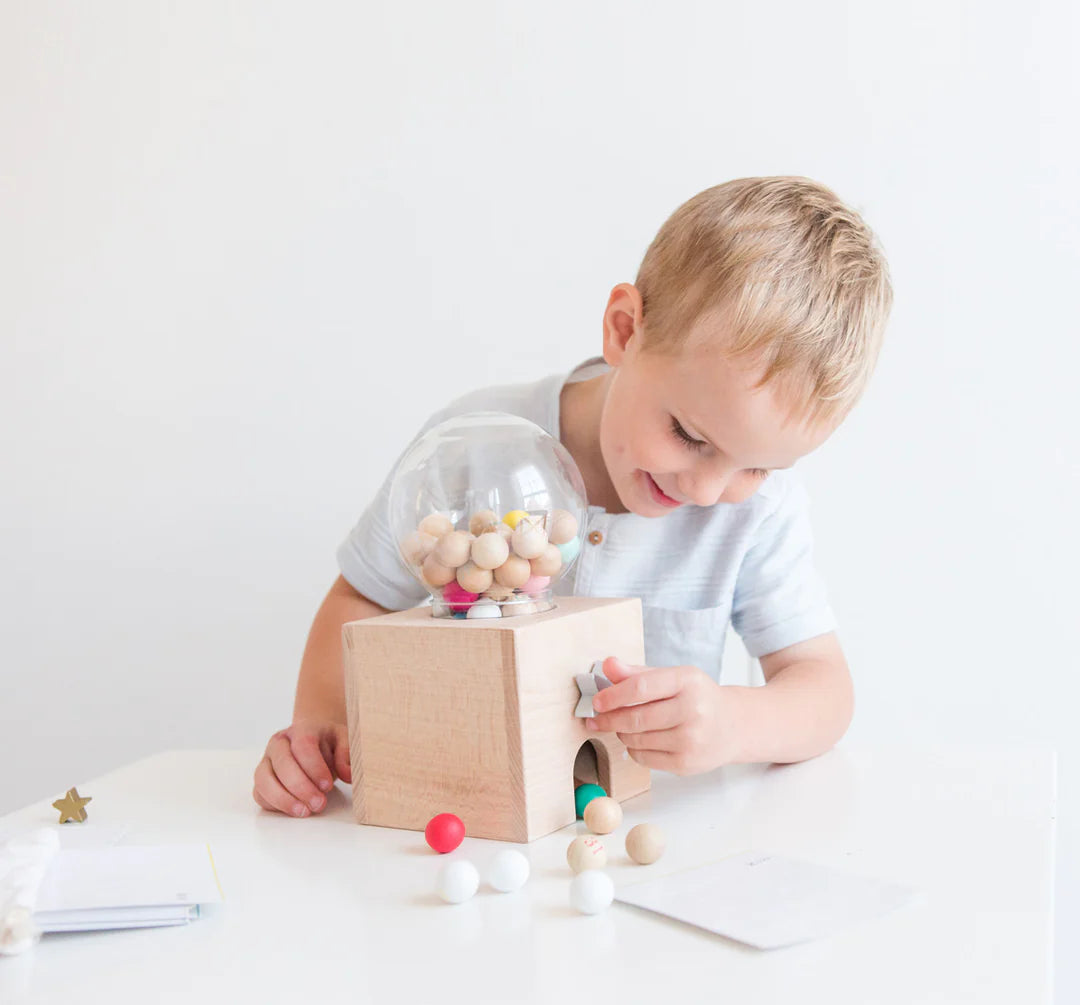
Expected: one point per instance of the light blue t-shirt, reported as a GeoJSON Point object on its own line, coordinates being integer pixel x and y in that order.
{"type": "Point", "coordinates": [697, 569]}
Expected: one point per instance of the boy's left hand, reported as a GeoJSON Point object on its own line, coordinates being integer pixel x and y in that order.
{"type": "Point", "coordinates": [675, 719]}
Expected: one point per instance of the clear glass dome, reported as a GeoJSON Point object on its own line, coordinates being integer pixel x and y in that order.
{"type": "Point", "coordinates": [488, 511]}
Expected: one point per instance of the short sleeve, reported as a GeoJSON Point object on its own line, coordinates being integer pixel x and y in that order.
{"type": "Point", "coordinates": [369, 559]}
{"type": "Point", "coordinates": [779, 597]}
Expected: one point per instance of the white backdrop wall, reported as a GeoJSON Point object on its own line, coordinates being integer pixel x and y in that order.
{"type": "Point", "coordinates": [245, 248]}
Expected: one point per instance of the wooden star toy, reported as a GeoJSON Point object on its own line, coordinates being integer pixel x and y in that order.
{"type": "Point", "coordinates": [71, 806]}
{"type": "Point", "coordinates": [590, 684]}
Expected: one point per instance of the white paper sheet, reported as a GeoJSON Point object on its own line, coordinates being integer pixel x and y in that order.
{"type": "Point", "coordinates": [767, 901]}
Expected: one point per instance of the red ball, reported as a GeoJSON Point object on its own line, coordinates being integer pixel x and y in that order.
{"type": "Point", "coordinates": [444, 832]}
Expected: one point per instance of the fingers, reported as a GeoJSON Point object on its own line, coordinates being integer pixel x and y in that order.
{"type": "Point", "coordinates": [307, 752]}
{"type": "Point", "coordinates": [661, 760]}
{"type": "Point", "coordinates": [270, 794]}
{"type": "Point", "coordinates": [663, 740]}
{"type": "Point", "coordinates": [654, 715]}
{"type": "Point", "coordinates": [650, 684]}
{"type": "Point", "coordinates": [290, 775]}
{"type": "Point", "coordinates": [342, 764]}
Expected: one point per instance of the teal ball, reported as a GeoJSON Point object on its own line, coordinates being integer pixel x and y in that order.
{"type": "Point", "coordinates": [585, 794]}
{"type": "Point", "coordinates": [569, 551]}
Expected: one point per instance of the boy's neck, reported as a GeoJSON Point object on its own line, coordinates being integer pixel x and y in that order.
{"type": "Point", "coordinates": [580, 407]}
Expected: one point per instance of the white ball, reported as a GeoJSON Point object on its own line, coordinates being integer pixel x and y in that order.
{"type": "Point", "coordinates": [591, 891]}
{"type": "Point", "coordinates": [484, 608]}
{"type": "Point", "coordinates": [458, 881]}
{"type": "Point", "coordinates": [508, 871]}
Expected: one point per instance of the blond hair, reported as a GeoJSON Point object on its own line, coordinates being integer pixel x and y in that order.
{"type": "Point", "coordinates": [795, 275]}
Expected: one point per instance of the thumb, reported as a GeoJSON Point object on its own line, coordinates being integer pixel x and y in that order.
{"type": "Point", "coordinates": [342, 764]}
{"type": "Point", "coordinates": [615, 670]}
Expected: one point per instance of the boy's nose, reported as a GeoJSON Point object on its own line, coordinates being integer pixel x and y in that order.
{"type": "Point", "coordinates": [703, 488]}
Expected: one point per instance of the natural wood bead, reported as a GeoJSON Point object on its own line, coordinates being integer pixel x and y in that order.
{"type": "Point", "coordinates": [645, 843]}
{"type": "Point", "coordinates": [434, 573]}
{"type": "Point", "coordinates": [489, 551]}
{"type": "Point", "coordinates": [514, 572]}
{"type": "Point", "coordinates": [436, 524]}
{"type": "Point", "coordinates": [417, 546]}
{"type": "Point", "coordinates": [482, 521]}
{"type": "Point", "coordinates": [586, 853]}
{"type": "Point", "coordinates": [602, 815]}
{"type": "Point", "coordinates": [452, 549]}
{"type": "Point", "coordinates": [529, 539]}
{"type": "Point", "coordinates": [473, 579]}
{"type": "Point", "coordinates": [499, 593]}
{"type": "Point", "coordinates": [549, 562]}
{"type": "Point", "coordinates": [505, 531]}
{"type": "Point", "coordinates": [562, 526]}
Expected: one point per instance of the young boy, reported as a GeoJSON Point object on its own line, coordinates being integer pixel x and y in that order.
{"type": "Point", "coordinates": [749, 333]}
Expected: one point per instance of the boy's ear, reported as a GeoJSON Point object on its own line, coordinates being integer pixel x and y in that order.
{"type": "Point", "coordinates": [623, 319]}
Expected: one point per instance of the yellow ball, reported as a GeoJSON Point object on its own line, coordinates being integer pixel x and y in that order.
{"type": "Point", "coordinates": [511, 519]}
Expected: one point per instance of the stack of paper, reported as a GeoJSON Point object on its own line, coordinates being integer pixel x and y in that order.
{"type": "Point", "coordinates": [126, 886]}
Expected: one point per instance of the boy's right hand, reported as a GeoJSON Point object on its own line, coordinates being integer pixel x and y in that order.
{"type": "Point", "coordinates": [300, 765]}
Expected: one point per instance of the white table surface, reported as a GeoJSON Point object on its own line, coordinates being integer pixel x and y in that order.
{"type": "Point", "coordinates": [326, 909]}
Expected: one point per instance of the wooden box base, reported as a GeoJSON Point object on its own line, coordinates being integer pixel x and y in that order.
{"type": "Point", "coordinates": [477, 717]}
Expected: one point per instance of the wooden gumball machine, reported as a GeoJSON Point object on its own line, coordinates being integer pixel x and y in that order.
{"type": "Point", "coordinates": [474, 705]}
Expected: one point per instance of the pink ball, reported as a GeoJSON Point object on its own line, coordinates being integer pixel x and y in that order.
{"type": "Point", "coordinates": [457, 598]}
{"type": "Point", "coordinates": [444, 832]}
{"type": "Point", "coordinates": [536, 584]}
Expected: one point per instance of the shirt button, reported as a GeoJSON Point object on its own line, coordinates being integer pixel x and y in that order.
{"type": "Point", "coordinates": [595, 537]}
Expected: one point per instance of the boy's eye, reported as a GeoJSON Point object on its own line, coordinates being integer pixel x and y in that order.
{"type": "Point", "coordinates": [682, 434]}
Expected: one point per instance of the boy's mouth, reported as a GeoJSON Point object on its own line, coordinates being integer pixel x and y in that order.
{"type": "Point", "coordinates": [658, 493]}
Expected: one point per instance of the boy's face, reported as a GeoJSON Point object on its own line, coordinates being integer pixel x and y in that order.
{"type": "Point", "coordinates": [687, 429]}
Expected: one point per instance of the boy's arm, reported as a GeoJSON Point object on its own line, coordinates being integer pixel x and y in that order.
{"type": "Point", "coordinates": [805, 706]}
{"type": "Point", "coordinates": [320, 689]}
{"type": "Point", "coordinates": [301, 761]}
{"type": "Point", "coordinates": [679, 719]}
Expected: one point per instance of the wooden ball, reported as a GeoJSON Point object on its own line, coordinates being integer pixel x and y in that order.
{"type": "Point", "coordinates": [434, 573]}
{"type": "Point", "coordinates": [499, 593]}
{"type": "Point", "coordinates": [529, 539]}
{"type": "Point", "coordinates": [603, 815]}
{"type": "Point", "coordinates": [645, 843]}
{"type": "Point", "coordinates": [562, 526]}
{"type": "Point", "coordinates": [489, 551]}
{"type": "Point", "coordinates": [482, 521]}
{"type": "Point", "coordinates": [436, 524]}
{"type": "Point", "coordinates": [586, 853]}
{"type": "Point", "coordinates": [549, 562]}
{"type": "Point", "coordinates": [472, 578]}
{"type": "Point", "coordinates": [417, 546]}
{"type": "Point", "coordinates": [452, 550]}
{"type": "Point", "coordinates": [505, 531]}
{"type": "Point", "coordinates": [514, 572]}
